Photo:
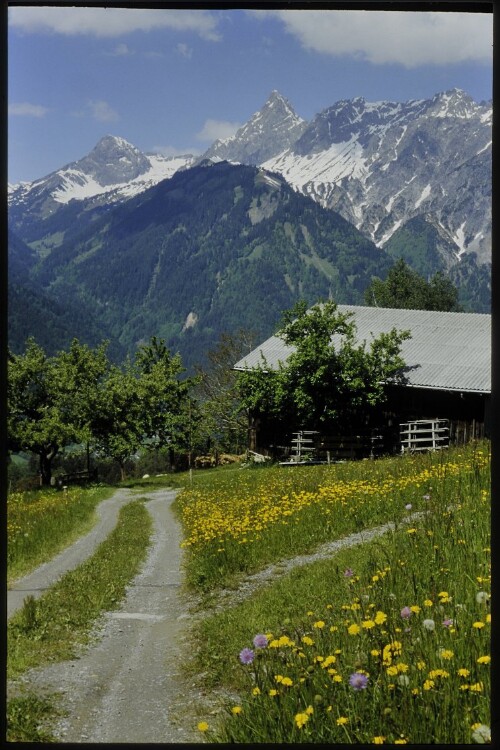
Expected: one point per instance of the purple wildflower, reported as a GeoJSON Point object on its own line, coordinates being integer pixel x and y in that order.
{"type": "Point", "coordinates": [246, 656]}
{"type": "Point", "coordinates": [260, 641]}
{"type": "Point", "coordinates": [447, 623]}
{"type": "Point", "coordinates": [358, 681]}
{"type": "Point", "coordinates": [406, 613]}
{"type": "Point", "coordinates": [348, 573]}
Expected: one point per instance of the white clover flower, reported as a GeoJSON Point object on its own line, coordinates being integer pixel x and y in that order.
{"type": "Point", "coordinates": [482, 597]}
{"type": "Point", "coordinates": [429, 624]}
{"type": "Point", "coordinates": [482, 734]}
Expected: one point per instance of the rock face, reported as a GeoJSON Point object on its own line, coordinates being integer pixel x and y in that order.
{"type": "Point", "coordinates": [381, 164]}
{"type": "Point", "coordinates": [113, 161]}
{"type": "Point", "coordinates": [378, 164]}
{"type": "Point", "coordinates": [269, 131]}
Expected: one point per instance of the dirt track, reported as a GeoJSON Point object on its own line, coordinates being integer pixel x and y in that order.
{"type": "Point", "coordinates": [127, 687]}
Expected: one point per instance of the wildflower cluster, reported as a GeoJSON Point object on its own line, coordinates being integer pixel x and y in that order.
{"type": "Point", "coordinates": [236, 523]}
{"type": "Point", "coordinates": [403, 641]}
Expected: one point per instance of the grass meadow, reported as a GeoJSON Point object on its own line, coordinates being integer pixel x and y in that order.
{"type": "Point", "coordinates": [40, 523]}
{"type": "Point", "coordinates": [387, 642]}
{"type": "Point", "coordinates": [53, 627]}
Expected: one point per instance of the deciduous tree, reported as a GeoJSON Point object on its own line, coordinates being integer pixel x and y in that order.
{"type": "Point", "coordinates": [329, 378]}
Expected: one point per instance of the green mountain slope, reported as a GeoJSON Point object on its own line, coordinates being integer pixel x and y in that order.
{"type": "Point", "coordinates": [213, 249]}
{"type": "Point", "coordinates": [426, 248]}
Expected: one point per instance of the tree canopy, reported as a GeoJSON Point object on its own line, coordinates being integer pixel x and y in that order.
{"type": "Point", "coordinates": [404, 288]}
{"type": "Point", "coordinates": [324, 381]}
{"type": "Point", "coordinates": [79, 396]}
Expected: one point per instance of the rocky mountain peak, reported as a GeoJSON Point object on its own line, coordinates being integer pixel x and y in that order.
{"type": "Point", "coordinates": [113, 160]}
{"type": "Point", "coordinates": [268, 132]}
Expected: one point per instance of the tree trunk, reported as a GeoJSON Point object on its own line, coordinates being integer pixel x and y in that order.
{"type": "Point", "coordinates": [46, 467]}
{"type": "Point", "coordinates": [122, 470]}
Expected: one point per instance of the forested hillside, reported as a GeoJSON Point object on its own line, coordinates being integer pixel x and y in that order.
{"type": "Point", "coordinates": [216, 248]}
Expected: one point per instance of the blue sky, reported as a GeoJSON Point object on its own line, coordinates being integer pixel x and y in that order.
{"type": "Point", "coordinates": [175, 80]}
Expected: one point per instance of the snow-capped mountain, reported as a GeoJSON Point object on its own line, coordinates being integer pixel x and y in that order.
{"type": "Point", "coordinates": [113, 171]}
{"type": "Point", "coordinates": [378, 164]}
{"type": "Point", "coordinates": [268, 132]}
{"type": "Point", "coordinates": [381, 164]}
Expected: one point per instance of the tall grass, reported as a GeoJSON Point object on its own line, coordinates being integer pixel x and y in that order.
{"type": "Point", "coordinates": [241, 521]}
{"type": "Point", "coordinates": [387, 642]}
{"type": "Point", "coordinates": [40, 523]}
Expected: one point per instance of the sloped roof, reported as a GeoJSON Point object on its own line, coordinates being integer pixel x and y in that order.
{"type": "Point", "coordinates": [447, 350]}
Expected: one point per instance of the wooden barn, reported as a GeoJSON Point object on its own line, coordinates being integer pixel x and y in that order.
{"type": "Point", "coordinates": [446, 398]}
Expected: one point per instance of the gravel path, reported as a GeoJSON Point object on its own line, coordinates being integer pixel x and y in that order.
{"type": "Point", "coordinates": [127, 687]}
{"type": "Point", "coordinates": [43, 577]}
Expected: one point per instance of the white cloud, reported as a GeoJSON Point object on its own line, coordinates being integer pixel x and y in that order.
{"type": "Point", "coordinates": [184, 50]}
{"type": "Point", "coordinates": [111, 22]}
{"type": "Point", "coordinates": [25, 109]}
{"type": "Point", "coordinates": [406, 38]}
{"type": "Point", "coordinates": [102, 111]}
{"type": "Point", "coordinates": [121, 50]}
{"type": "Point", "coordinates": [214, 129]}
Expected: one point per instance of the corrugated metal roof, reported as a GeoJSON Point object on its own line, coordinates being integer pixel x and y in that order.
{"type": "Point", "coordinates": [447, 350]}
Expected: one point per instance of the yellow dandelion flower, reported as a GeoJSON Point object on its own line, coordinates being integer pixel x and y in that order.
{"type": "Point", "coordinates": [256, 691]}
{"type": "Point", "coordinates": [319, 624]}
{"type": "Point", "coordinates": [380, 617]}
{"type": "Point", "coordinates": [301, 719]}
{"type": "Point", "coordinates": [329, 660]}
{"type": "Point", "coordinates": [287, 682]}
{"type": "Point", "coordinates": [391, 671]}
{"type": "Point", "coordinates": [375, 652]}
{"type": "Point", "coordinates": [488, 617]}
{"type": "Point", "coordinates": [309, 710]}
{"type": "Point", "coordinates": [308, 641]}
{"type": "Point", "coordinates": [236, 709]}
{"type": "Point", "coordinates": [353, 629]}
{"type": "Point", "coordinates": [337, 678]}
{"type": "Point", "coordinates": [420, 665]}
{"type": "Point", "coordinates": [478, 625]}
{"type": "Point", "coordinates": [368, 624]}
{"type": "Point", "coordinates": [273, 692]}
{"type": "Point", "coordinates": [477, 687]}
{"type": "Point", "coordinates": [429, 684]}
{"type": "Point", "coordinates": [401, 742]}
{"type": "Point", "coordinates": [463, 672]}
{"type": "Point", "coordinates": [342, 720]}
{"type": "Point", "coordinates": [415, 608]}
{"type": "Point", "coordinates": [484, 660]}
{"type": "Point", "coordinates": [378, 740]}
{"type": "Point", "coordinates": [446, 654]}
{"type": "Point", "coordinates": [202, 726]}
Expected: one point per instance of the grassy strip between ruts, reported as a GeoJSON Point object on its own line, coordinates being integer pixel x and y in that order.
{"type": "Point", "coordinates": [387, 642]}
{"type": "Point", "coordinates": [43, 522]}
{"type": "Point", "coordinates": [52, 627]}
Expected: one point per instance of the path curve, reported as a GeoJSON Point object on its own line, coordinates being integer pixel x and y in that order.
{"type": "Point", "coordinates": [128, 686]}
{"type": "Point", "coordinates": [47, 574]}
